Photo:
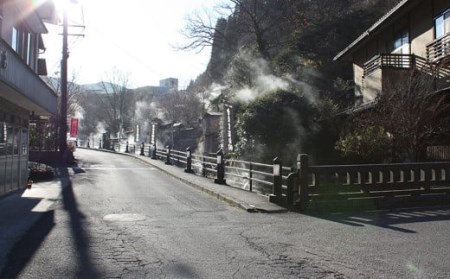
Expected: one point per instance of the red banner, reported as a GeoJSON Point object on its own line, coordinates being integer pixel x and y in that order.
{"type": "Point", "coordinates": [73, 127]}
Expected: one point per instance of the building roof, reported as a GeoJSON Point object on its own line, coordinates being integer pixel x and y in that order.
{"type": "Point", "coordinates": [397, 11]}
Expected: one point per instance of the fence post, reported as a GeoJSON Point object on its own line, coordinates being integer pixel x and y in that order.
{"type": "Point", "coordinates": [302, 164]}
{"type": "Point", "coordinates": [276, 195]}
{"type": "Point", "coordinates": [150, 150]}
{"type": "Point", "coordinates": [168, 155]}
{"type": "Point", "coordinates": [203, 166]}
{"type": "Point", "coordinates": [220, 177]}
{"type": "Point", "coordinates": [250, 176]}
{"type": "Point", "coordinates": [126, 148]}
{"type": "Point", "coordinates": [154, 152]}
{"type": "Point", "coordinates": [142, 149]}
{"type": "Point", "coordinates": [292, 190]}
{"type": "Point", "coordinates": [188, 168]}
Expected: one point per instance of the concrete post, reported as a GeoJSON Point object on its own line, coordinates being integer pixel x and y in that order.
{"type": "Point", "coordinates": [292, 187]}
{"type": "Point", "coordinates": [188, 168]}
{"type": "Point", "coordinates": [276, 195]}
{"type": "Point", "coordinates": [250, 176]}
{"type": "Point", "coordinates": [154, 151]}
{"type": "Point", "coordinates": [203, 166]}
{"type": "Point", "coordinates": [168, 155]}
{"type": "Point", "coordinates": [220, 177]}
{"type": "Point", "coordinates": [302, 164]}
{"type": "Point", "coordinates": [142, 149]}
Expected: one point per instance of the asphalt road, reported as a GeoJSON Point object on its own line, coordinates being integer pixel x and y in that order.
{"type": "Point", "coordinates": [121, 218]}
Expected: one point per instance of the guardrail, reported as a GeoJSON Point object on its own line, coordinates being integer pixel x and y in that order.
{"type": "Point", "coordinates": [246, 175]}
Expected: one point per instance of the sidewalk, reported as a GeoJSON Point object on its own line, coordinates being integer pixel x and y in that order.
{"type": "Point", "coordinates": [249, 201]}
{"type": "Point", "coordinates": [20, 210]}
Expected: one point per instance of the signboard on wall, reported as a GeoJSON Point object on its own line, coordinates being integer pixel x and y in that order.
{"type": "Point", "coordinates": [74, 127]}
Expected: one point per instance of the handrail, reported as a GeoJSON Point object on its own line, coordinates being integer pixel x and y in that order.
{"type": "Point", "coordinates": [401, 61]}
{"type": "Point", "coordinates": [438, 49]}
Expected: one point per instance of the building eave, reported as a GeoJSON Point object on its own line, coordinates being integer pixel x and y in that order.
{"type": "Point", "coordinates": [399, 9]}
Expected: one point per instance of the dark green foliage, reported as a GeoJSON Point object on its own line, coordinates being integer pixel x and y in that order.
{"type": "Point", "coordinates": [274, 124]}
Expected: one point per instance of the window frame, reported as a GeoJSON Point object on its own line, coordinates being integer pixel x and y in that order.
{"type": "Point", "coordinates": [445, 17]}
{"type": "Point", "coordinates": [404, 38]}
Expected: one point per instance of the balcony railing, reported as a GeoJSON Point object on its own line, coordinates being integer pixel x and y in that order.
{"type": "Point", "coordinates": [397, 61]}
{"type": "Point", "coordinates": [24, 86]}
{"type": "Point", "coordinates": [438, 49]}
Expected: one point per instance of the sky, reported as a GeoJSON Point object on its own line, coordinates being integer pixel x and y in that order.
{"type": "Point", "coordinates": [137, 37]}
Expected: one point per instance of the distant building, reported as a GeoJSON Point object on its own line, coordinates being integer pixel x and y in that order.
{"type": "Point", "coordinates": [22, 92]}
{"type": "Point", "coordinates": [171, 83]}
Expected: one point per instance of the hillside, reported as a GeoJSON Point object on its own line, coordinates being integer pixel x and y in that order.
{"type": "Point", "coordinates": [295, 38]}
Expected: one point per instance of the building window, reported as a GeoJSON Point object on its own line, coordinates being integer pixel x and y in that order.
{"type": "Point", "coordinates": [401, 43]}
{"type": "Point", "coordinates": [442, 25]}
{"type": "Point", "coordinates": [29, 38]}
{"type": "Point", "coordinates": [3, 134]}
{"type": "Point", "coordinates": [15, 39]}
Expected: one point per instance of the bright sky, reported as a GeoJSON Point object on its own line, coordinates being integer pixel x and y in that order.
{"type": "Point", "coordinates": [135, 36]}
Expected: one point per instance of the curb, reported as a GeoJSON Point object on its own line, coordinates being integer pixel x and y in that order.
{"type": "Point", "coordinates": [212, 193]}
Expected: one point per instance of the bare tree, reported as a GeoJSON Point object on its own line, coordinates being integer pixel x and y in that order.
{"type": "Point", "coordinates": [202, 30]}
{"type": "Point", "coordinates": [117, 101]}
{"type": "Point", "coordinates": [74, 93]}
{"type": "Point", "coordinates": [182, 106]}
{"type": "Point", "coordinates": [407, 118]}
{"type": "Point", "coordinates": [259, 20]}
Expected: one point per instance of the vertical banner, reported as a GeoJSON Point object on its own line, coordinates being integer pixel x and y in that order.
{"type": "Point", "coordinates": [74, 127]}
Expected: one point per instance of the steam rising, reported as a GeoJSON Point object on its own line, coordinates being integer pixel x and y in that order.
{"type": "Point", "coordinates": [263, 81]}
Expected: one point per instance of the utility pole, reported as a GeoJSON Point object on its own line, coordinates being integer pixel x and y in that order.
{"type": "Point", "coordinates": [63, 111]}
{"type": "Point", "coordinates": [64, 90]}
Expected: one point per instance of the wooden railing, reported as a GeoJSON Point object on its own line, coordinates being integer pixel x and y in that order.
{"type": "Point", "coordinates": [246, 175]}
{"type": "Point", "coordinates": [438, 49]}
{"type": "Point", "coordinates": [399, 61]}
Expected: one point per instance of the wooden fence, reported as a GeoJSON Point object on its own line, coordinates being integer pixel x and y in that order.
{"type": "Point", "coordinates": [246, 175]}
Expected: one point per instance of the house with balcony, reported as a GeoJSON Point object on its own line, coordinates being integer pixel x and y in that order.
{"type": "Point", "coordinates": [22, 92]}
{"type": "Point", "coordinates": [415, 34]}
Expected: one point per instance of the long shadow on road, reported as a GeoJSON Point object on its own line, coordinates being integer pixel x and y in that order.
{"type": "Point", "coordinates": [27, 247]}
{"type": "Point", "coordinates": [79, 234]}
{"type": "Point", "coordinates": [389, 219]}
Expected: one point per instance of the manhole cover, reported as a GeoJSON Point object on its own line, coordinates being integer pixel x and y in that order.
{"type": "Point", "coordinates": [126, 217]}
